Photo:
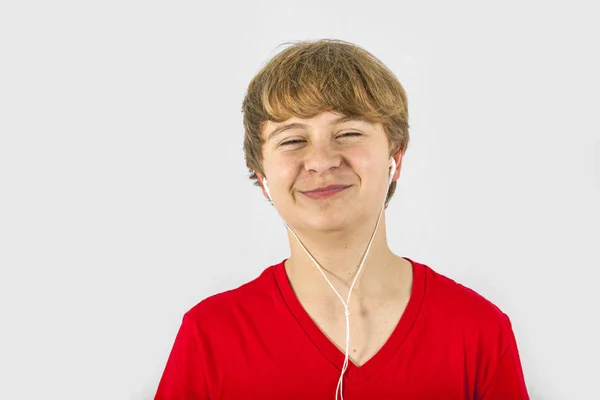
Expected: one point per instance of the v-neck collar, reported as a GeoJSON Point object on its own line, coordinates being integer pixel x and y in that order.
{"type": "Point", "coordinates": [356, 374]}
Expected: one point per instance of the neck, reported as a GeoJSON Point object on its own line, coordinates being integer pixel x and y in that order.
{"type": "Point", "coordinates": [340, 254]}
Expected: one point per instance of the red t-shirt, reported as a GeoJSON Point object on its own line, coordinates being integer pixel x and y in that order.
{"type": "Point", "coordinates": [258, 342]}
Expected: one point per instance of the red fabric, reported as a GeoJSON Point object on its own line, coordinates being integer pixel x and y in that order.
{"type": "Point", "coordinates": [257, 342]}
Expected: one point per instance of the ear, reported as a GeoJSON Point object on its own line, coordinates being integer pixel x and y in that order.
{"type": "Point", "coordinates": [398, 157]}
{"type": "Point", "coordinates": [261, 177]}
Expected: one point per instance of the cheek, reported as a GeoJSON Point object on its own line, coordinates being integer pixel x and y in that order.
{"type": "Point", "coordinates": [280, 170]}
{"type": "Point", "coordinates": [361, 163]}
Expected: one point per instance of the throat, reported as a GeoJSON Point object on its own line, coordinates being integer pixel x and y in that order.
{"type": "Point", "coordinates": [375, 311]}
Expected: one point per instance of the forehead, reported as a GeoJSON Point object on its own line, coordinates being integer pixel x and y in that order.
{"type": "Point", "coordinates": [324, 119]}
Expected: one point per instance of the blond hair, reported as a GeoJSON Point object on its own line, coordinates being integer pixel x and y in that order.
{"type": "Point", "coordinates": [311, 77]}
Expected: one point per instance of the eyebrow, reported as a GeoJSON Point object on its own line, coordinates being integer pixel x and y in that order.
{"type": "Point", "coordinates": [296, 125]}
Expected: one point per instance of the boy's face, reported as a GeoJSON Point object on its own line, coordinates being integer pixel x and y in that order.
{"type": "Point", "coordinates": [326, 150]}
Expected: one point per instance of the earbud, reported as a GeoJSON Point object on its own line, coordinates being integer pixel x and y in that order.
{"type": "Point", "coordinates": [392, 171]}
{"type": "Point", "coordinates": [266, 187]}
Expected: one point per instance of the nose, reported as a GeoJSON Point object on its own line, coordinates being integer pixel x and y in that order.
{"type": "Point", "coordinates": [321, 158]}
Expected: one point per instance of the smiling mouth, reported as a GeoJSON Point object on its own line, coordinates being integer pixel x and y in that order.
{"type": "Point", "coordinates": [321, 194]}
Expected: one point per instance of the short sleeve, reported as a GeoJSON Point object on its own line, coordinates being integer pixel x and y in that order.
{"type": "Point", "coordinates": [507, 381]}
{"type": "Point", "coordinates": [184, 377]}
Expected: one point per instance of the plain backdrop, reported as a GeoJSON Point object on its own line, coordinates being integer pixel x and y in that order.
{"type": "Point", "coordinates": [124, 197]}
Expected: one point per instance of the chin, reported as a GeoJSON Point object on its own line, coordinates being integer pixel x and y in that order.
{"type": "Point", "coordinates": [327, 221]}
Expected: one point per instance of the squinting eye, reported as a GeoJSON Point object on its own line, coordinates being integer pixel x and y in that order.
{"type": "Point", "coordinates": [350, 134]}
{"type": "Point", "coordinates": [292, 142]}
{"type": "Point", "coordinates": [295, 141]}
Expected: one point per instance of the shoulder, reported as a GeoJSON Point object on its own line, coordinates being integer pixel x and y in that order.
{"type": "Point", "coordinates": [459, 318]}
{"type": "Point", "coordinates": [460, 307]}
{"type": "Point", "coordinates": [226, 308]}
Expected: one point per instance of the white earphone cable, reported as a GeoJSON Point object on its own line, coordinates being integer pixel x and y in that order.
{"type": "Point", "coordinates": [340, 385]}
{"type": "Point", "coordinates": [346, 303]}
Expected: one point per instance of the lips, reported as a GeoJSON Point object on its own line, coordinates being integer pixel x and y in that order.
{"type": "Point", "coordinates": [325, 192]}
{"type": "Point", "coordinates": [327, 188]}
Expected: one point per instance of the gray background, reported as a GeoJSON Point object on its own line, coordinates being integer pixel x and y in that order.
{"type": "Point", "coordinates": [124, 198]}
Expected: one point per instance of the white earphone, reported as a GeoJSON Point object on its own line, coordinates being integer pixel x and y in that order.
{"type": "Point", "coordinates": [339, 388]}
{"type": "Point", "coordinates": [266, 188]}
{"type": "Point", "coordinates": [392, 171]}
{"type": "Point", "coordinates": [391, 176]}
